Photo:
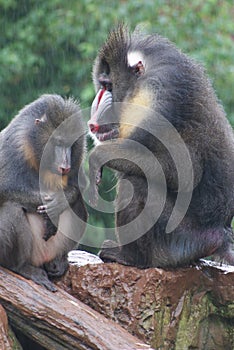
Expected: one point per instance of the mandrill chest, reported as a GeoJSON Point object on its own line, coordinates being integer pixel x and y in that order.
{"type": "Point", "coordinates": [43, 251]}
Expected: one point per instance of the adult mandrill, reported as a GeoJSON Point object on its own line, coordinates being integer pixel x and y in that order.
{"type": "Point", "coordinates": [40, 155]}
{"type": "Point", "coordinates": [171, 140]}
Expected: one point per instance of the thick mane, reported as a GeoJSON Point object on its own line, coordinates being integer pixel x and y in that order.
{"type": "Point", "coordinates": [116, 46]}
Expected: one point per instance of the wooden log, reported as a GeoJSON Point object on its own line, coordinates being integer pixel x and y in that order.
{"type": "Point", "coordinates": [7, 338]}
{"type": "Point", "coordinates": [183, 308]}
{"type": "Point", "coordinates": [57, 320]}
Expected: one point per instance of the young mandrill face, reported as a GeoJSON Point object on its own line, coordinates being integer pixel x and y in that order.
{"type": "Point", "coordinates": [55, 151]}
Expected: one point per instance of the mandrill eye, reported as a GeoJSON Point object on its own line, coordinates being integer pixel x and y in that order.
{"type": "Point", "coordinates": [105, 82]}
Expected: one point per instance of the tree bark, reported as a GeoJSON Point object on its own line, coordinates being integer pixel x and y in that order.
{"type": "Point", "coordinates": [58, 321]}
{"type": "Point", "coordinates": [184, 308]}
{"type": "Point", "coordinates": [7, 338]}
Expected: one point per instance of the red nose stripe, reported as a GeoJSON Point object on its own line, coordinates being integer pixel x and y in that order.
{"type": "Point", "coordinates": [100, 96]}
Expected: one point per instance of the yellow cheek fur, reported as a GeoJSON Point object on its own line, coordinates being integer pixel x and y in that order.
{"type": "Point", "coordinates": [132, 114]}
{"type": "Point", "coordinates": [29, 155]}
{"type": "Point", "coordinates": [54, 182]}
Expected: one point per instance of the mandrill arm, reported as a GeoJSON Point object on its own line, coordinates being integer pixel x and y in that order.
{"type": "Point", "coordinates": [132, 159]}
{"type": "Point", "coordinates": [58, 201]}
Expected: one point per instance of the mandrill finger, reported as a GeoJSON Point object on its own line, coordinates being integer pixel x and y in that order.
{"type": "Point", "coordinates": [93, 195]}
{"type": "Point", "coordinates": [99, 176]}
{"type": "Point", "coordinates": [42, 209]}
{"type": "Point", "coordinates": [47, 197]}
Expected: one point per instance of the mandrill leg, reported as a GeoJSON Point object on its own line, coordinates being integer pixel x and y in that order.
{"type": "Point", "coordinates": [36, 274]}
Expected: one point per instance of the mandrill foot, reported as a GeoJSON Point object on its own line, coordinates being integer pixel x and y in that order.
{"type": "Point", "coordinates": [111, 252]}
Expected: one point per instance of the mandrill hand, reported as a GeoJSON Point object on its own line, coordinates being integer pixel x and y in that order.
{"type": "Point", "coordinates": [95, 180]}
{"type": "Point", "coordinates": [56, 204]}
{"type": "Point", "coordinates": [95, 177]}
{"type": "Point", "coordinates": [50, 213]}
{"type": "Point", "coordinates": [99, 176]}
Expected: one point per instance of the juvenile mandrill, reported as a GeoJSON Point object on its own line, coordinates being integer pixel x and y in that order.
{"type": "Point", "coordinates": [41, 152]}
{"type": "Point", "coordinates": [170, 139]}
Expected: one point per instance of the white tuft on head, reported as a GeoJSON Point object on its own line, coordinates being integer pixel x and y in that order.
{"type": "Point", "coordinates": [135, 57]}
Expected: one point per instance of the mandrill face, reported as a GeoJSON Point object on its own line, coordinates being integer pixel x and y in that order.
{"type": "Point", "coordinates": [100, 124]}
{"type": "Point", "coordinates": [116, 73]}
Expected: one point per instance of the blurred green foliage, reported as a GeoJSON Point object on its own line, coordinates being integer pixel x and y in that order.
{"type": "Point", "coordinates": [49, 46]}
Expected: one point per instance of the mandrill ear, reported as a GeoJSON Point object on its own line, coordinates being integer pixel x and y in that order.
{"type": "Point", "coordinates": [139, 68]}
{"type": "Point", "coordinates": [137, 62]}
{"type": "Point", "coordinates": [43, 119]}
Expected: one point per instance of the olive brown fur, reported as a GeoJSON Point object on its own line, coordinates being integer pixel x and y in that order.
{"type": "Point", "coordinates": [32, 192]}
